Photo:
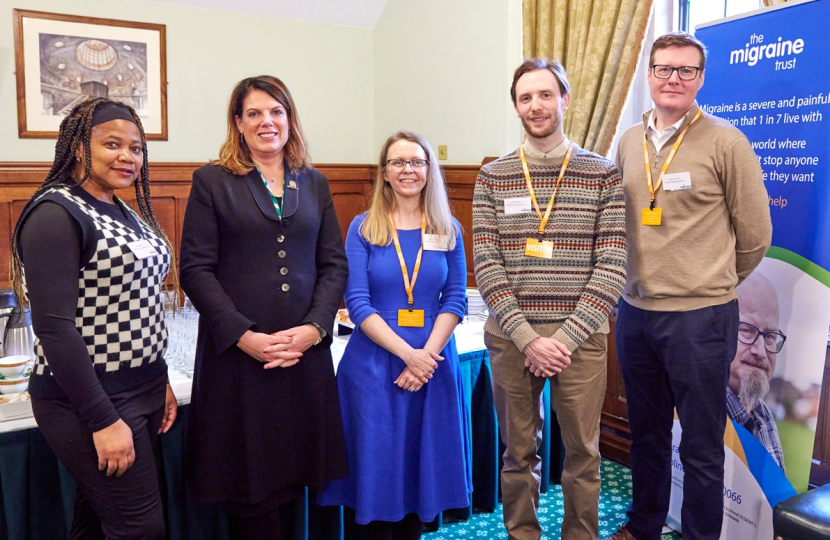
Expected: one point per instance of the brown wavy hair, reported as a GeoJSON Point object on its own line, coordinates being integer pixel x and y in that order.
{"type": "Point", "coordinates": [532, 64]}
{"type": "Point", "coordinates": [234, 154]}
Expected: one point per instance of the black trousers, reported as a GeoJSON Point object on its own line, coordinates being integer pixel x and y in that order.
{"type": "Point", "coordinates": [677, 360]}
{"type": "Point", "coordinates": [110, 507]}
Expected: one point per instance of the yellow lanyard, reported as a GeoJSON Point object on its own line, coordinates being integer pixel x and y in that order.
{"type": "Point", "coordinates": [407, 285]}
{"type": "Point", "coordinates": [652, 188]}
{"type": "Point", "coordinates": [543, 220]}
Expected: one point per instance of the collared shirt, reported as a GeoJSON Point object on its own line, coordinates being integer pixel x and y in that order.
{"type": "Point", "coordinates": [759, 421]}
{"type": "Point", "coordinates": [560, 150]}
{"type": "Point", "coordinates": [659, 139]}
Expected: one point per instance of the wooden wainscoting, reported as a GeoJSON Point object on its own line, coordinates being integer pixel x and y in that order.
{"type": "Point", "coordinates": [350, 186]}
{"type": "Point", "coordinates": [460, 184]}
{"type": "Point", "coordinates": [614, 434]}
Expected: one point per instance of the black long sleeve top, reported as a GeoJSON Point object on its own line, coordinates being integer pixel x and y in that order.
{"type": "Point", "coordinates": [53, 250]}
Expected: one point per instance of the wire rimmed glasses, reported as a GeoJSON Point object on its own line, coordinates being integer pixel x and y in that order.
{"type": "Point", "coordinates": [398, 165]}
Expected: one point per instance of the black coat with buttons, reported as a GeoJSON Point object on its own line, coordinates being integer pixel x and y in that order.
{"type": "Point", "coordinates": [252, 431]}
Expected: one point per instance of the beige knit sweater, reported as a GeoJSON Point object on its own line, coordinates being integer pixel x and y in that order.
{"type": "Point", "coordinates": [712, 235]}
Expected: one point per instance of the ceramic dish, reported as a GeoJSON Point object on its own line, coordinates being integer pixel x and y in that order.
{"type": "Point", "coordinates": [14, 385]}
{"type": "Point", "coordinates": [14, 366]}
{"type": "Point", "coordinates": [15, 406]}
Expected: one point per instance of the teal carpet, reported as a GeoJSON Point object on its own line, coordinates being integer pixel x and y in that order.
{"type": "Point", "coordinates": [613, 503]}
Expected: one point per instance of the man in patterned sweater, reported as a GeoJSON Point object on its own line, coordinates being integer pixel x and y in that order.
{"type": "Point", "coordinates": [550, 248]}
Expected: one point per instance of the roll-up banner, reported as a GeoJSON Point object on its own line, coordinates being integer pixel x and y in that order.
{"type": "Point", "coordinates": [768, 73]}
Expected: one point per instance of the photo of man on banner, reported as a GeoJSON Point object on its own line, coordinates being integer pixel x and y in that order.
{"type": "Point", "coordinates": [759, 341]}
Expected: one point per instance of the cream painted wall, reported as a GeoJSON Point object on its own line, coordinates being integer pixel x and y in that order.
{"type": "Point", "coordinates": [441, 68]}
{"type": "Point", "coordinates": [444, 69]}
{"type": "Point", "coordinates": [329, 70]}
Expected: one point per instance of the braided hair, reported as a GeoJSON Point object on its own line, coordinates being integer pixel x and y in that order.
{"type": "Point", "coordinates": [75, 130]}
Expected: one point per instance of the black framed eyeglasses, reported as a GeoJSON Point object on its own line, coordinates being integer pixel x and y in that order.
{"type": "Point", "coordinates": [684, 73]}
{"type": "Point", "coordinates": [400, 164]}
{"type": "Point", "coordinates": [748, 335]}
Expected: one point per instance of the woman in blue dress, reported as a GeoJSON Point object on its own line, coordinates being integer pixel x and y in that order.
{"type": "Point", "coordinates": [399, 381]}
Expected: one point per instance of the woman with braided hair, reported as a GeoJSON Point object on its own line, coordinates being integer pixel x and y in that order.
{"type": "Point", "coordinates": [93, 270]}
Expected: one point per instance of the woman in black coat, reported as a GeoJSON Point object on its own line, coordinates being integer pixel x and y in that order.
{"type": "Point", "coordinates": [262, 260]}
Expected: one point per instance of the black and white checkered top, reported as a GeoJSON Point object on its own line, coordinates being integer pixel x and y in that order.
{"type": "Point", "coordinates": [120, 313]}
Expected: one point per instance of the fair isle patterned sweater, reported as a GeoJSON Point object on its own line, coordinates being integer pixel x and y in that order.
{"type": "Point", "coordinates": [569, 296]}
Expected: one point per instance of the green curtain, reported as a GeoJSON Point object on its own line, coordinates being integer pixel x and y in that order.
{"type": "Point", "coordinates": [599, 43]}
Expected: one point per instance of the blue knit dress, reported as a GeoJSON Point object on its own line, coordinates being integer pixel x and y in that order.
{"type": "Point", "coordinates": [408, 452]}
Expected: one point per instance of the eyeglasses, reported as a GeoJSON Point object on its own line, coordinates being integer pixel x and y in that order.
{"type": "Point", "coordinates": [748, 335]}
{"type": "Point", "coordinates": [684, 73]}
{"type": "Point", "coordinates": [400, 164]}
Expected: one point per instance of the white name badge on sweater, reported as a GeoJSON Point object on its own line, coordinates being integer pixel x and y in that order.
{"type": "Point", "coordinates": [142, 249]}
{"type": "Point", "coordinates": [436, 242]}
{"type": "Point", "coordinates": [677, 181]}
{"type": "Point", "coordinates": [518, 205]}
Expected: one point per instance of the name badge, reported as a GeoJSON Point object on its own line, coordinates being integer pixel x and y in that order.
{"type": "Point", "coordinates": [436, 242]}
{"type": "Point", "coordinates": [652, 217]}
{"type": "Point", "coordinates": [542, 250]}
{"type": "Point", "coordinates": [142, 249]}
{"type": "Point", "coordinates": [677, 181]}
{"type": "Point", "coordinates": [411, 318]}
{"type": "Point", "coordinates": [518, 205]}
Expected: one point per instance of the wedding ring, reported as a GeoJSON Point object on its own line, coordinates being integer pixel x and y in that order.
{"type": "Point", "coordinates": [411, 388]}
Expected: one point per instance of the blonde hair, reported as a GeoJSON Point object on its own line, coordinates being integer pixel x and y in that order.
{"type": "Point", "coordinates": [234, 154]}
{"type": "Point", "coordinates": [377, 227]}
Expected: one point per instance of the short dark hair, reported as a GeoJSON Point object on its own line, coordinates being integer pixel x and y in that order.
{"type": "Point", "coordinates": [678, 39]}
{"type": "Point", "coordinates": [532, 64]}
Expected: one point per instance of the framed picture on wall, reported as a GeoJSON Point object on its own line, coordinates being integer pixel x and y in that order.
{"type": "Point", "coordinates": [62, 60]}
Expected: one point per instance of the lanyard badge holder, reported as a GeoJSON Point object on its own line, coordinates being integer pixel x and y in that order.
{"type": "Point", "coordinates": [536, 247]}
{"type": "Point", "coordinates": [654, 216]}
{"type": "Point", "coordinates": [410, 317]}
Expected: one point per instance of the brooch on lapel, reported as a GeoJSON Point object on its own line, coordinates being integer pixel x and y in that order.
{"type": "Point", "coordinates": [292, 184]}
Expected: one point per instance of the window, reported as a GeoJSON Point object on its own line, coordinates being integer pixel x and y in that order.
{"type": "Point", "coordinates": [695, 12]}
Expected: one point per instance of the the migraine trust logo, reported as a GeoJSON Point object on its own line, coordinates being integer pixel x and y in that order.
{"type": "Point", "coordinates": [757, 50]}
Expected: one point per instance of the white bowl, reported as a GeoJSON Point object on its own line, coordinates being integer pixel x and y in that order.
{"type": "Point", "coordinates": [12, 386]}
{"type": "Point", "coordinates": [13, 366]}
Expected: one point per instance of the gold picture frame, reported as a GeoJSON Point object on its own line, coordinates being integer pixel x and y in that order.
{"type": "Point", "coordinates": [61, 59]}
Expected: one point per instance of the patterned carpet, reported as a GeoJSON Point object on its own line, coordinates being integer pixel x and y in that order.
{"type": "Point", "coordinates": [613, 503]}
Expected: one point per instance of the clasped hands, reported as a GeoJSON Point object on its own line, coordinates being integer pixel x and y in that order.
{"type": "Point", "coordinates": [420, 365]}
{"type": "Point", "coordinates": [281, 349]}
{"type": "Point", "coordinates": [546, 357]}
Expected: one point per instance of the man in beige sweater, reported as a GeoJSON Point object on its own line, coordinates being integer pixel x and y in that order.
{"type": "Point", "coordinates": [697, 222]}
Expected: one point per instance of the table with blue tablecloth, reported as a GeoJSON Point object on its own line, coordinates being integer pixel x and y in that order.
{"type": "Point", "coordinates": [36, 493]}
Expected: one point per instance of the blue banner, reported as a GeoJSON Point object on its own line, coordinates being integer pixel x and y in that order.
{"type": "Point", "coordinates": [768, 74]}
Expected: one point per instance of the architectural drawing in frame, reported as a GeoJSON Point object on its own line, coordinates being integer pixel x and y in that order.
{"type": "Point", "coordinates": [62, 60]}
